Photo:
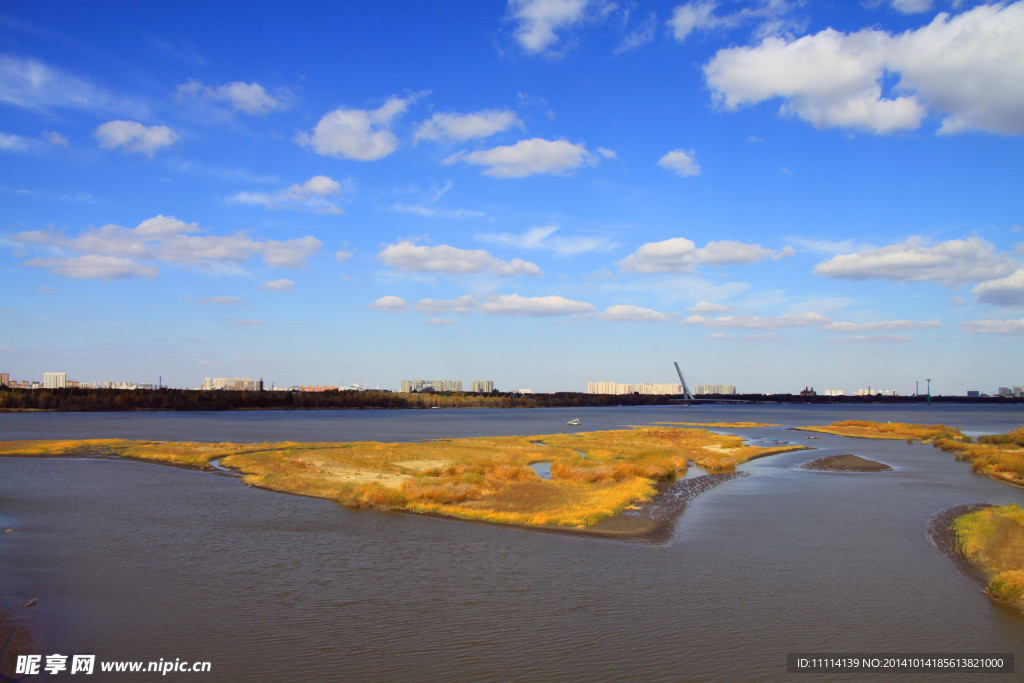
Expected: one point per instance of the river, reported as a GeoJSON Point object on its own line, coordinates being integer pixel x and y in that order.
{"type": "Point", "coordinates": [137, 561]}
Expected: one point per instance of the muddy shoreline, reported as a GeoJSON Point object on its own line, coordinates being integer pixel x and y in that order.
{"type": "Point", "coordinates": [942, 536]}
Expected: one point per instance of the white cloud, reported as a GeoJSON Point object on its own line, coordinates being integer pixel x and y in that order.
{"type": "Point", "coordinates": [759, 322]}
{"type": "Point", "coordinates": [993, 326]}
{"type": "Point", "coordinates": [912, 6]}
{"type": "Point", "coordinates": [707, 307]}
{"type": "Point", "coordinates": [528, 157]}
{"type": "Point", "coordinates": [13, 143]}
{"type": "Point", "coordinates": [342, 255]}
{"type": "Point", "coordinates": [541, 237]}
{"type": "Point", "coordinates": [680, 255]}
{"type": "Point", "coordinates": [538, 21]}
{"type": "Point", "coordinates": [965, 68]}
{"type": "Point", "coordinates": [430, 212]}
{"type": "Point", "coordinates": [282, 285]}
{"type": "Point", "coordinates": [674, 255]}
{"type": "Point", "coordinates": [55, 138]}
{"type": "Point", "coordinates": [769, 17]}
{"type": "Point", "coordinates": [31, 84]}
{"type": "Point", "coordinates": [953, 262]}
{"type": "Point", "coordinates": [115, 251]}
{"type": "Point", "coordinates": [727, 253]}
{"type": "Point", "coordinates": [410, 257]}
{"type": "Point", "coordinates": [692, 16]}
{"type": "Point", "coordinates": [880, 325]}
{"type": "Point", "coordinates": [463, 304]}
{"type": "Point", "coordinates": [629, 313]}
{"type": "Point", "coordinates": [132, 136]}
{"type": "Point", "coordinates": [462, 127]}
{"type": "Point", "coordinates": [361, 134]}
{"type": "Point", "coordinates": [311, 194]}
{"type": "Point", "coordinates": [95, 267]}
{"type": "Point", "coordinates": [250, 98]}
{"type": "Point", "coordinates": [866, 339]}
{"type": "Point", "coordinates": [390, 304]}
{"type": "Point", "coordinates": [538, 306]}
{"type": "Point", "coordinates": [1007, 291]}
{"type": "Point", "coordinates": [681, 162]}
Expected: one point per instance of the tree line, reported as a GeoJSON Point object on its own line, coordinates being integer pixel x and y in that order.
{"type": "Point", "coordinates": [99, 400]}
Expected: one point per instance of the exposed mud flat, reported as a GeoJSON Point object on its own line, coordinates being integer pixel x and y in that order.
{"type": "Point", "coordinates": [846, 463]}
{"type": "Point", "coordinates": [653, 520]}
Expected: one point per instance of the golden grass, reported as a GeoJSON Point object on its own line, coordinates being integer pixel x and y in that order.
{"type": "Point", "coordinates": [992, 539]}
{"type": "Point", "coordinates": [723, 425]}
{"type": "Point", "coordinates": [863, 429]}
{"type": "Point", "coordinates": [1000, 456]}
{"type": "Point", "coordinates": [594, 474]}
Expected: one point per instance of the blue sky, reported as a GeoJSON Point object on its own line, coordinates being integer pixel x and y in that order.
{"type": "Point", "coordinates": [541, 193]}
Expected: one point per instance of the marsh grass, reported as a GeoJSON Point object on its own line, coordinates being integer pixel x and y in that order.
{"type": "Point", "coordinates": [992, 539]}
{"type": "Point", "coordinates": [594, 475]}
{"type": "Point", "coordinates": [864, 429]}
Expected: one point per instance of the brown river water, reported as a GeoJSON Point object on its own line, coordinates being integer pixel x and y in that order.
{"type": "Point", "coordinates": [136, 561]}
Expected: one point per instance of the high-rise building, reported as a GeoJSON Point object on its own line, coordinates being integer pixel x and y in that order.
{"type": "Point", "coordinates": [411, 385]}
{"type": "Point", "coordinates": [483, 386]}
{"type": "Point", "coordinates": [55, 380]}
{"type": "Point", "coordinates": [5, 379]}
{"type": "Point", "coordinates": [714, 389]}
{"type": "Point", "coordinates": [229, 383]}
{"type": "Point", "coordinates": [618, 388]}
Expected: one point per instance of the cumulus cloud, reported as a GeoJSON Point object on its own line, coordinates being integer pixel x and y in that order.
{"type": "Point", "coordinates": [463, 304]}
{"type": "Point", "coordinates": [912, 6]}
{"type": "Point", "coordinates": [993, 326]}
{"type": "Point", "coordinates": [681, 162]}
{"type": "Point", "coordinates": [674, 255]}
{"type": "Point", "coordinates": [132, 136]}
{"type": "Point", "coordinates": [707, 307]}
{"type": "Point", "coordinates": [539, 20]}
{"type": "Point", "coordinates": [537, 306]}
{"type": "Point", "coordinates": [282, 285]}
{"type": "Point", "coordinates": [729, 253]}
{"type": "Point", "coordinates": [390, 304]}
{"type": "Point", "coordinates": [965, 68]}
{"type": "Point", "coordinates": [542, 237]}
{"type": "Point", "coordinates": [462, 127]}
{"type": "Point", "coordinates": [680, 255]}
{"type": "Point", "coordinates": [953, 262]}
{"type": "Point", "coordinates": [312, 194]}
{"type": "Point", "coordinates": [113, 251]}
{"type": "Point", "coordinates": [95, 267]}
{"type": "Point", "coordinates": [1007, 291]}
{"type": "Point", "coordinates": [759, 322]}
{"type": "Point", "coordinates": [414, 258]}
{"type": "Point", "coordinates": [881, 325]}
{"type": "Point", "coordinates": [629, 313]}
{"type": "Point", "coordinates": [251, 98]}
{"type": "Point", "coordinates": [529, 157]}
{"type": "Point", "coordinates": [361, 134]}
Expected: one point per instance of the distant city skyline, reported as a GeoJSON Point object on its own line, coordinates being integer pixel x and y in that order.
{"type": "Point", "coordinates": [774, 194]}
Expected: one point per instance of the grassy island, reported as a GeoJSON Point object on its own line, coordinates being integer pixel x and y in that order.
{"type": "Point", "coordinates": [593, 475]}
{"type": "Point", "coordinates": [863, 429]}
{"type": "Point", "coordinates": [992, 540]}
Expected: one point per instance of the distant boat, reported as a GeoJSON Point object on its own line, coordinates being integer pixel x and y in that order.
{"type": "Point", "coordinates": [574, 421]}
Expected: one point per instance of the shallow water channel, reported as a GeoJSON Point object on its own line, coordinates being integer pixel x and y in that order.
{"type": "Point", "coordinates": [140, 561]}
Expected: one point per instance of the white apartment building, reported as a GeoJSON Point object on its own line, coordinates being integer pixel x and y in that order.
{"type": "Point", "coordinates": [55, 380]}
